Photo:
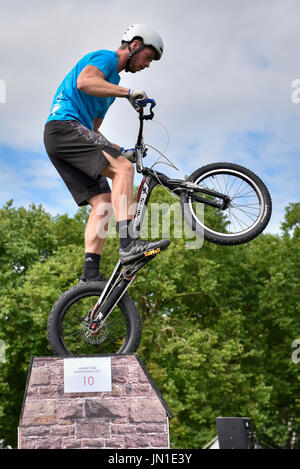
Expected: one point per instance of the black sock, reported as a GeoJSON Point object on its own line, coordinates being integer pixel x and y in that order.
{"type": "Point", "coordinates": [91, 265]}
{"type": "Point", "coordinates": [124, 229]}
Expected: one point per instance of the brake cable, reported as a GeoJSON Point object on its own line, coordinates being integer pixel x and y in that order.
{"type": "Point", "coordinates": [162, 154]}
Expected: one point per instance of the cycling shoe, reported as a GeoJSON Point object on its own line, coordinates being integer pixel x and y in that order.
{"type": "Point", "coordinates": [139, 248]}
{"type": "Point", "coordinates": [98, 278]}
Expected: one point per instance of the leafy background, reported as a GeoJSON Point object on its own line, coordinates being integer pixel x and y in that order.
{"type": "Point", "coordinates": [218, 322]}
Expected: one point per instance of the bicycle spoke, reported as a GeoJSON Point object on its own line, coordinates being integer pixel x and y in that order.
{"type": "Point", "coordinates": [240, 222]}
{"type": "Point", "coordinates": [73, 333]}
{"type": "Point", "coordinates": [239, 207]}
{"type": "Point", "coordinates": [231, 222]}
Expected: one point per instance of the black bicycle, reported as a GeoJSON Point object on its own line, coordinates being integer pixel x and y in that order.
{"type": "Point", "coordinates": [100, 317]}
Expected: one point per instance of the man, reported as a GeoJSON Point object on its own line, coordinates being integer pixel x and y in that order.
{"type": "Point", "coordinates": [84, 157]}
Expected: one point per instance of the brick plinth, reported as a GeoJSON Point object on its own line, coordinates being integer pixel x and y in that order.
{"type": "Point", "coordinates": [132, 415]}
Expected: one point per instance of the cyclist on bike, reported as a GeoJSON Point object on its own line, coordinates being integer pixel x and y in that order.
{"type": "Point", "coordinates": [84, 158]}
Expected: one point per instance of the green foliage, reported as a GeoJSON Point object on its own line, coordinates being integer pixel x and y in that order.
{"type": "Point", "coordinates": [292, 220]}
{"type": "Point", "coordinates": [218, 322]}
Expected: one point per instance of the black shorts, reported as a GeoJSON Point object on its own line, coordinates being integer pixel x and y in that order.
{"type": "Point", "coordinates": [77, 154]}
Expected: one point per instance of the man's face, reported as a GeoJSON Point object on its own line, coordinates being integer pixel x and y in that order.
{"type": "Point", "coordinates": [141, 60]}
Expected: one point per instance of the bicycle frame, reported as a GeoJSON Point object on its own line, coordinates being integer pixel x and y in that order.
{"type": "Point", "coordinates": [120, 280]}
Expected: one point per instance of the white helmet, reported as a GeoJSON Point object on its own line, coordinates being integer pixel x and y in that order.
{"type": "Point", "coordinates": [149, 37]}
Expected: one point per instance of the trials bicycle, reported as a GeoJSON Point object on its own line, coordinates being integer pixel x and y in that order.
{"type": "Point", "coordinates": [100, 317]}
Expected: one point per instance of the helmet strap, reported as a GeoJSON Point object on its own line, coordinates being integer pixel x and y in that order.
{"type": "Point", "coordinates": [131, 53]}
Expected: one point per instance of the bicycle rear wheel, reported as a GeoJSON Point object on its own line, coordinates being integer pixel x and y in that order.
{"type": "Point", "coordinates": [249, 210]}
{"type": "Point", "coordinates": [68, 335]}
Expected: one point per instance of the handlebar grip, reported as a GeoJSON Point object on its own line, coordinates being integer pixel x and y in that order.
{"type": "Point", "coordinates": [151, 114]}
{"type": "Point", "coordinates": [152, 102]}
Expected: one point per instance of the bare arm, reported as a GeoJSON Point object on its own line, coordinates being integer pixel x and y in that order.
{"type": "Point", "coordinates": [92, 81]}
{"type": "Point", "coordinates": [97, 124]}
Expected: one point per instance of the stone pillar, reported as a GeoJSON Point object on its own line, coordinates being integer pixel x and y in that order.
{"type": "Point", "coordinates": [133, 415]}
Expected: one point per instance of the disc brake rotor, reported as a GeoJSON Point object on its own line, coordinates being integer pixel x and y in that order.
{"type": "Point", "coordinates": [92, 338]}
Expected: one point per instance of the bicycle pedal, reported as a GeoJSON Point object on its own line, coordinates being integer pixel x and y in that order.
{"type": "Point", "coordinates": [152, 252]}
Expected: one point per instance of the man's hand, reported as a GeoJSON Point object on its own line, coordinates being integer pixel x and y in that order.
{"type": "Point", "coordinates": [130, 154]}
{"type": "Point", "coordinates": [137, 99]}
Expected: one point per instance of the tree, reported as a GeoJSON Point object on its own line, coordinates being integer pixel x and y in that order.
{"type": "Point", "coordinates": [218, 322]}
{"type": "Point", "coordinates": [292, 220]}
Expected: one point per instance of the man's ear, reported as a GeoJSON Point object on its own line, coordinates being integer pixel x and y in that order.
{"type": "Point", "coordinates": [135, 44]}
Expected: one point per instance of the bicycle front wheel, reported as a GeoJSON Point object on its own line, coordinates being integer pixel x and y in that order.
{"type": "Point", "coordinates": [247, 214]}
{"type": "Point", "coordinates": [68, 334]}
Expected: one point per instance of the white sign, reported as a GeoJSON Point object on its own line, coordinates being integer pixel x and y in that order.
{"type": "Point", "coordinates": [89, 374]}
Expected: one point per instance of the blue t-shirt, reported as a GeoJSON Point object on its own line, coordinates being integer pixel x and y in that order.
{"type": "Point", "coordinates": [71, 104]}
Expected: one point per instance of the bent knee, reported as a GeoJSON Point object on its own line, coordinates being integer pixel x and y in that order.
{"type": "Point", "coordinates": [128, 167]}
{"type": "Point", "coordinates": [124, 164]}
{"type": "Point", "coordinates": [120, 167]}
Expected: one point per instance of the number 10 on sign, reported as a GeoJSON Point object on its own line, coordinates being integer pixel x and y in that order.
{"type": "Point", "coordinates": [90, 381]}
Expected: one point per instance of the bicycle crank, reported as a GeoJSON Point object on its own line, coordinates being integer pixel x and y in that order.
{"type": "Point", "coordinates": [131, 269]}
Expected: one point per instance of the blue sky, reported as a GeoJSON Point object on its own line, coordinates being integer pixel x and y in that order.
{"type": "Point", "coordinates": [223, 88]}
